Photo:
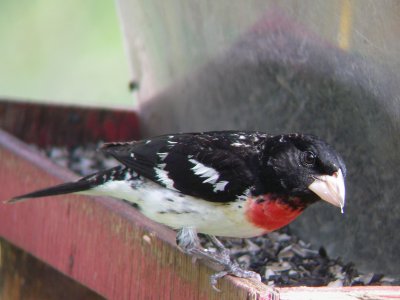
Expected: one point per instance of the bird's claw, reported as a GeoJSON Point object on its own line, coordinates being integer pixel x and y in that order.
{"type": "Point", "coordinates": [235, 270]}
{"type": "Point", "coordinates": [187, 241]}
{"type": "Point", "coordinates": [214, 279]}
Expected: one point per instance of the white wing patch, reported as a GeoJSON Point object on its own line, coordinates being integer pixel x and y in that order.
{"type": "Point", "coordinates": [162, 155]}
{"type": "Point", "coordinates": [220, 186]}
{"type": "Point", "coordinates": [203, 171]}
{"type": "Point", "coordinates": [162, 177]}
{"type": "Point", "coordinates": [211, 175]}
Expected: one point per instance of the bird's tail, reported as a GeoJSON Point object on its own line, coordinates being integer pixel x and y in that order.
{"type": "Point", "coordinates": [84, 184]}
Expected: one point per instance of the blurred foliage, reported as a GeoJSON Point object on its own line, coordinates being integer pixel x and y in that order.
{"type": "Point", "coordinates": [63, 51]}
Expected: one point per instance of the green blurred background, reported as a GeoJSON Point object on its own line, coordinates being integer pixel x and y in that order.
{"type": "Point", "coordinates": [63, 52]}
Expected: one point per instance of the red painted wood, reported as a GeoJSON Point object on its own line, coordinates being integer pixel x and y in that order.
{"type": "Point", "coordinates": [58, 125]}
{"type": "Point", "coordinates": [25, 277]}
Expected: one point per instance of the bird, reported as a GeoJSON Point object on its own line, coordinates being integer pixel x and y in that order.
{"type": "Point", "coordinates": [238, 184]}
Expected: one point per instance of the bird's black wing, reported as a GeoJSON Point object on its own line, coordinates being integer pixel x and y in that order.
{"type": "Point", "coordinates": [216, 166]}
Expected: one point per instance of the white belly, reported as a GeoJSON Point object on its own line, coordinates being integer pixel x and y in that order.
{"type": "Point", "coordinates": [177, 210]}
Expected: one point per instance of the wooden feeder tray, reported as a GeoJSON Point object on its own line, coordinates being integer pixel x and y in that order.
{"type": "Point", "coordinates": [112, 249]}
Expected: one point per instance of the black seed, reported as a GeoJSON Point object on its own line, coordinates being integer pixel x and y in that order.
{"type": "Point", "coordinates": [169, 199]}
{"type": "Point", "coordinates": [322, 252]}
{"type": "Point", "coordinates": [376, 278]}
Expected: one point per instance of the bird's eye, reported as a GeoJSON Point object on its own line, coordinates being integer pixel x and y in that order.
{"type": "Point", "coordinates": [308, 158]}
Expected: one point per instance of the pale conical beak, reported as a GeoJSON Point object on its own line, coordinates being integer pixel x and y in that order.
{"type": "Point", "coordinates": [330, 188]}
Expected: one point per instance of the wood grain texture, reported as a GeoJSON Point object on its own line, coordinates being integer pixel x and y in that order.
{"type": "Point", "coordinates": [345, 293]}
{"type": "Point", "coordinates": [60, 125]}
{"type": "Point", "coordinates": [102, 243]}
{"type": "Point", "coordinates": [24, 277]}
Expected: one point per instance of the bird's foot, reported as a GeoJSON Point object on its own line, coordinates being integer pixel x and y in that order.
{"type": "Point", "coordinates": [232, 269]}
{"type": "Point", "coordinates": [188, 241]}
{"type": "Point", "coordinates": [221, 250]}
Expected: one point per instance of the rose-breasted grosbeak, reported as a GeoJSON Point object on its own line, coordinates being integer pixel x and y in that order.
{"type": "Point", "coordinates": [228, 183]}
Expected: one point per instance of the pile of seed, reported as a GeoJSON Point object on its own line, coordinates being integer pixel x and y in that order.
{"type": "Point", "coordinates": [81, 160]}
{"type": "Point", "coordinates": [281, 258]}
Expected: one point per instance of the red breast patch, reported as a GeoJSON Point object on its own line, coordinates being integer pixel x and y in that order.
{"type": "Point", "coordinates": [270, 214]}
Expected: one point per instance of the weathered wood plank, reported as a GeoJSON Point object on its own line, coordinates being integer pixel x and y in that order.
{"type": "Point", "coordinates": [46, 124]}
{"type": "Point", "coordinates": [345, 293]}
{"type": "Point", "coordinates": [24, 277]}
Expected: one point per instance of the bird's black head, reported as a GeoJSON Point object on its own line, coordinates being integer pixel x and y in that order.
{"type": "Point", "coordinates": [304, 166]}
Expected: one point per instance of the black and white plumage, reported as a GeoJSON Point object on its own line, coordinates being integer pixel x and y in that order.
{"type": "Point", "coordinates": [229, 183]}
{"type": "Point", "coordinates": [214, 166]}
